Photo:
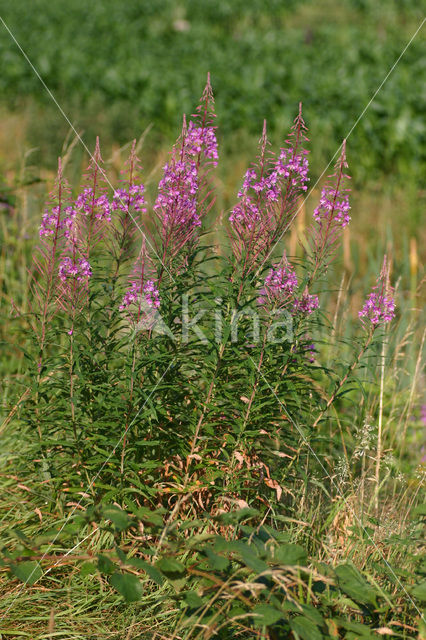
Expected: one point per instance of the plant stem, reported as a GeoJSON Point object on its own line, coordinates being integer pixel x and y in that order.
{"type": "Point", "coordinates": [380, 425]}
{"type": "Point", "coordinates": [345, 377]}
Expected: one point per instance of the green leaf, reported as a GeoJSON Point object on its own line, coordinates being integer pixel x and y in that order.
{"type": "Point", "coordinates": [420, 510]}
{"type": "Point", "coordinates": [127, 585]}
{"type": "Point", "coordinates": [151, 517]}
{"type": "Point", "coordinates": [355, 585]}
{"type": "Point", "coordinates": [234, 517]}
{"type": "Point", "coordinates": [28, 572]}
{"type": "Point", "coordinates": [105, 565]}
{"type": "Point", "coordinates": [306, 629]}
{"type": "Point", "coordinates": [170, 567]}
{"type": "Point", "coordinates": [153, 573]}
{"type": "Point", "coordinates": [252, 560]}
{"type": "Point", "coordinates": [15, 532]}
{"type": "Point", "coordinates": [193, 600]}
{"type": "Point", "coordinates": [87, 569]}
{"type": "Point", "coordinates": [290, 554]}
{"type": "Point", "coordinates": [216, 561]}
{"type": "Point", "coordinates": [419, 591]}
{"type": "Point", "coordinates": [191, 524]}
{"type": "Point", "coordinates": [118, 517]}
{"type": "Point", "coordinates": [266, 615]}
{"type": "Point", "coordinates": [360, 631]}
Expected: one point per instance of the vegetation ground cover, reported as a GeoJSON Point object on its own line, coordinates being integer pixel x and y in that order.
{"type": "Point", "coordinates": [164, 486]}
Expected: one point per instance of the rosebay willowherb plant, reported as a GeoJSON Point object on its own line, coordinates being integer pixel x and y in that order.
{"type": "Point", "coordinates": [172, 372]}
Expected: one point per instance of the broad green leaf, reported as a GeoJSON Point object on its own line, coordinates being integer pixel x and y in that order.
{"type": "Point", "coordinates": [306, 610]}
{"type": "Point", "coordinates": [28, 572]}
{"type": "Point", "coordinates": [87, 569]}
{"type": "Point", "coordinates": [252, 560]}
{"type": "Point", "coordinates": [118, 517]}
{"type": "Point", "coordinates": [312, 613]}
{"type": "Point", "coordinates": [152, 571]}
{"type": "Point", "coordinates": [290, 554]}
{"type": "Point", "coordinates": [105, 565]}
{"type": "Point", "coordinates": [355, 585]}
{"type": "Point", "coordinates": [170, 567]}
{"type": "Point", "coordinates": [363, 632]}
{"type": "Point", "coordinates": [127, 585]}
{"type": "Point", "coordinates": [151, 517]}
{"type": "Point", "coordinates": [216, 561]}
{"type": "Point", "coordinates": [191, 524]}
{"type": "Point", "coordinates": [266, 615]}
{"type": "Point", "coordinates": [305, 628]}
{"type": "Point", "coordinates": [193, 600]}
{"type": "Point", "coordinates": [419, 591]}
{"type": "Point", "coordinates": [233, 517]}
{"type": "Point", "coordinates": [420, 510]}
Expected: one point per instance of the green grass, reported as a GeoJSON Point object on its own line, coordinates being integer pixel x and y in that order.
{"type": "Point", "coordinates": [75, 601]}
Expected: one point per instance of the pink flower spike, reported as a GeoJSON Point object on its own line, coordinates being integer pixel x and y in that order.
{"type": "Point", "coordinates": [279, 285]}
{"type": "Point", "coordinates": [79, 269]}
{"type": "Point", "coordinates": [379, 307]}
{"type": "Point", "coordinates": [307, 304]}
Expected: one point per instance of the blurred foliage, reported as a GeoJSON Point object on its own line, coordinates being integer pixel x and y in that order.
{"type": "Point", "coordinates": [118, 67]}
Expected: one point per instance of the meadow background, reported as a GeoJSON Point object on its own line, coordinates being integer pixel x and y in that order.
{"type": "Point", "coordinates": [125, 70]}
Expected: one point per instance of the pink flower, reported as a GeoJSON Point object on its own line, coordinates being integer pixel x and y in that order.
{"type": "Point", "coordinates": [279, 288]}
{"type": "Point", "coordinates": [279, 285]}
{"type": "Point", "coordinates": [201, 140]}
{"type": "Point", "coordinates": [379, 307]}
{"type": "Point", "coordinates": [177, 192]}
{"type": "Point", "coordinates": [79, 269]}
{"type": "Point", "coordinates": [333, 204]}
{"type": "Point", "coordinates": [87, 202]}
{"type": "Point", "coordinates": [306, 305]}
{"type": "Point", "coordinates": [151, 296]}
{"type": "Point", "coordinates": [131, 198]}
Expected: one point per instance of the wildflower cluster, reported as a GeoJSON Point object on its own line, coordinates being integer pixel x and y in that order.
{"type": "Point", "coordinates": [201, 140]}
{"type": "Point", "coordinates": [151, 295]}
{"type": "Point", "coordinates": [99, 206]}
{"type": "Point", "coordinates": [279, 287]}
{"type": "Point", "coordinates": [334, 205]}
{"type": "Point", "coordinates": [53, 222]}
{"type": "Point", "coordinates": [179, 206]}
{"type": "Point", "coordinates": [306, 304]}
{"type": "Point", "coordinates": [79, 269]}
{"type": "Point", "coordinates": [132, 198]}
{"type": "Point", "coordinates": [267, 201]}
{"type": "Point", "coordinates": [177, 192]}
{"type": "Point", "coordinates": [291, 164]}
{"type": "Point", "coordinates": [50, 222]}
{"type": "Point", "coordinates": [268, 188]}
{"type": "Point", "coordinates": [331, 215]}
{"type": "Point", "coordinates": [245, 215]}
{"type": "Point", "coordinates": [266, 206]}
{"type": "Point", "coordinates": [379, 307]}
{"type": "Point", "coordinates": [142, 295]}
